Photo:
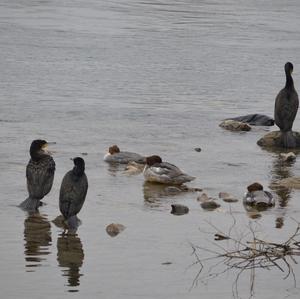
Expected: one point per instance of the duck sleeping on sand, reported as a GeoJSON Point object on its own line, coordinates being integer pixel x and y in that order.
{"type": "Point", "coordinates": [114, 155]}
{"type": "Point", "coordinates": [163, 172]}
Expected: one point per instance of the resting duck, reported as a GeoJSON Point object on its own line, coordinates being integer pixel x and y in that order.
{"type": "Point", "coordinates": [114, 155]}
{"type": "Point", "coordinates": [257, 196]}
{"type": "Point", "coordinates": [163, 172]}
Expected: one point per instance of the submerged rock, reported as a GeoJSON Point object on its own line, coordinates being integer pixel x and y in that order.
{"type": "Point", "coordinates": [173, 190]}
{"type": "Point", "coordinates": [197, 149]}
{"type": "Point", "coordinates": [133, 168]}
{"type": "Point", "coordinates": [274, 139]}
{"type": "Point", "coordinates": [114, 229]}
{"type": "Point", "coordinates": [255, 119]}
{"type": "Point", "coordinates": [233, 125]}
{"type": "Point", "coordinates": [178, 209]}
{"type": "Point", "coordinates": [290, 183]}
{"type": "Point", "coordinates": [227, 197]}
{"type": "Point", "coordinates": [289, 157]}
{"type": "Point", "coordinates": [203, 198]}
{"type": "Point", "coordinates": [210, 205]}
{"type": "Point", "coordinates": [207, 203]}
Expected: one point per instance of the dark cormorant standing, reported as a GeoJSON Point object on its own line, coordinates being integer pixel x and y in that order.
{"type": "Point", "coordinates": [39, 173]}
{"type": "Point", "coordinates": [73, 192]}
{"type": "Point", "coordinates": [286, 106]}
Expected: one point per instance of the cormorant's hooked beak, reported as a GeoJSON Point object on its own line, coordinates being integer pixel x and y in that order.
{"type": "Point", "coordinates": [46, 150]}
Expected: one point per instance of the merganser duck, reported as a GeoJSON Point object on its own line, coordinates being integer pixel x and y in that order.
{"type": "Point", "coordinates": [257, 196]}
{"type": "Point", "coordinates": [114, 155]}
{"type": "Point", "coordinates": [163, 172]}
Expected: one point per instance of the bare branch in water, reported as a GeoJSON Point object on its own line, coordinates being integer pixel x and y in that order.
{"type": "Point", "coordinates": [242, 255]}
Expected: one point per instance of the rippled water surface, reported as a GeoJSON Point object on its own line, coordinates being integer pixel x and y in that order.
{"type": "Point", "coordinates": [154, 77]}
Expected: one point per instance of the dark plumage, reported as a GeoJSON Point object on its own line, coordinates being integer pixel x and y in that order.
{"type": "Point", "coordinates": [39, 174]}
{"type": "Point", "coordinates": [73, 192]}
{"type": "Point", "coordinates": [286, 107]}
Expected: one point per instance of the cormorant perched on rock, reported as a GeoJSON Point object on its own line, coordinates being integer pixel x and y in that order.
{"type": "Point", "coordinates": [39, 173]}
{"type": "Point", "coordinates": [286, 106]}
{"type": "Point", "coordinates": [73, 192]}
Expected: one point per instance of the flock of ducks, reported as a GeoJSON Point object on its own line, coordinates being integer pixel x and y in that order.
{"type": "Point", "coordinates": [41, 166]}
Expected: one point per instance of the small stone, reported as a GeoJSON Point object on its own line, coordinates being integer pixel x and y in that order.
{"type": "Point", "coordinates": [227, 197]}
{"type": "Point", "coordinates": [134, 168]}
{"type": "Point", "coordinates": [230, 199]}
{"type": "Point", "coordinates": [172, 189]}
{"type": "Point", "coordinates": [233, 125]}
{"type": "Point", "coordinates": [84, 154]}
{"type": "Point", "coordinates": [290, 183]}
{"type": "Point", "coordinates": [274, 139]}
{"type": "Point", "coordinates": [203, 197]}
{"type": "Point", "coordinates": [210, 205]}
{"type": "Point", "coordinates": [197, 149]}
{"type": "Point", "coordinates": [178, 209]}
{"type": "Point", "coordinates": [289, 157]}
{"type": "Point", "coordinates": [114, 229]}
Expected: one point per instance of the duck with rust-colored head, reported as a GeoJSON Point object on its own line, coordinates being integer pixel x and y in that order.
{"type": "Point", "coordinates": [256, 196]}
{"type": "Point", "coordinates": [116, 156]}
{"type": "Point", "coordinates": [163, 172]}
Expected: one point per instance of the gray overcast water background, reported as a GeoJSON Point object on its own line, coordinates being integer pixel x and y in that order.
{"type": "Point", "coordinates": [154, 77]}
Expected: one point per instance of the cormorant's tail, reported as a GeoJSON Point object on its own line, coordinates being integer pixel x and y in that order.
{"type": "Point", "coordinates": [73, 223]}
{"type": "Point", "coordinates": [288, 140]}
{"type": "Point", "coordinates": [30, 204]}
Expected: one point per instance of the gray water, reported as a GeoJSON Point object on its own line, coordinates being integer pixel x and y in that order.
{"type": "Point", "coordinates": [154, 77]}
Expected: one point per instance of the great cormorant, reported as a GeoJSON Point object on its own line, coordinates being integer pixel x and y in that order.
{"type": "Point", "coordinates": [73, 192]}
{"type": "Point", "coordinates": [39, 173]}
{"type": "Point", "coordinates": [286, 107]}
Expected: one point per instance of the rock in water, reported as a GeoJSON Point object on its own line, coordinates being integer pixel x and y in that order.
{"type": "Point", "coordinates": [114, 229]}
{"type": "Point", "coordinates": [290, 183]}
{"type": "Point", "coordinates": [210, 205]}
{"type": "Point", "coordinates": [233, 125]}
{"type": "Point", "coordinates": [172, 190]}
{"type": "Point", "coordinates": [227, 197]}
{"type": "Point", "coordinates": [289, 157]}
{"type": "Point", "coordinates": [255, 119]}
{"type": "Point", "coordinates": [203, 198]}
{"type": "Point", "coordinates": [178, 209]}
{"type": "Point", "coordinates": [274, 140]}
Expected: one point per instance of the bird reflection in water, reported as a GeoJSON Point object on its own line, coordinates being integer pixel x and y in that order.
{"type": "Point", "coordinates": [154, 193]}
{"type": "Point", "coordinates": [281, 170]}
{"type": "Point", "coordinates": [70, 256]}
{"type": "Point", "coordinates": [37, 236]}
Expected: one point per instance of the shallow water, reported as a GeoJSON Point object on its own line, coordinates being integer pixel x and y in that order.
{"type": "Point", "coordinates": [155, 77]}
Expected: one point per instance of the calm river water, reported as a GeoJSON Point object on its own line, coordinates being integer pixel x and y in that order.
{"type": "Point", "coordinates": [154, 77]}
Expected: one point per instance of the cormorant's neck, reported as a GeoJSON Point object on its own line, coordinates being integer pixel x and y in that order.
{"type": "Point", "coordinates": [78, 171]}
{"type": "Point", "coordinates": [289, 80]}
{"type": "Point", "coordinates": [37, 155]}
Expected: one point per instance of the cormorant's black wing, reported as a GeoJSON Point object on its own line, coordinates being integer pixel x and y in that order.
{"type": "Point", "coordinates": [72, 194]}
{"type": "Point", "coordinates": [40, 177]}
{"type": "Point", "coordinates": [286, 107]}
